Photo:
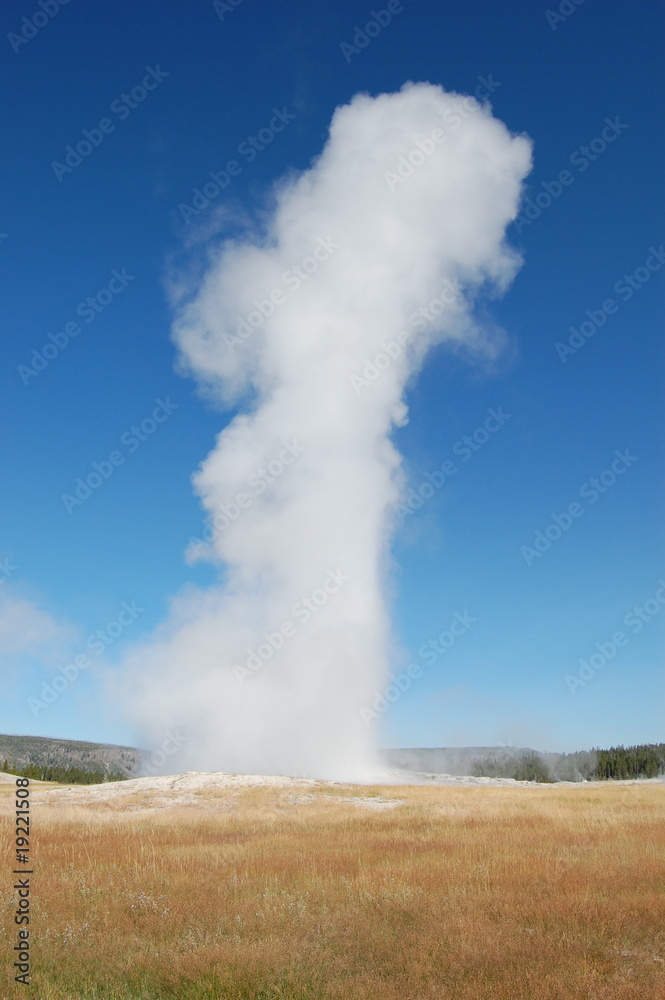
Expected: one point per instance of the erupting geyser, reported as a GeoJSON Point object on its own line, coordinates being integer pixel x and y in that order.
{"type": "Point", "coordinates": [312, 330]}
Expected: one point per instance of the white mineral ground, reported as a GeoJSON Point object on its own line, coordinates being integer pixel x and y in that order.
{"type": "Point", "coordinates": [210, 789]}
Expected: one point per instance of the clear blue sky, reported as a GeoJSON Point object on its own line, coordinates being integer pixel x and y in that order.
{"type": "Point", "coordinates": [587, 88]}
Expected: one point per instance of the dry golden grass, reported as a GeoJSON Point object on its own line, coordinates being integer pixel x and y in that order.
{"type": "Point", "coordinates": [466, 893]}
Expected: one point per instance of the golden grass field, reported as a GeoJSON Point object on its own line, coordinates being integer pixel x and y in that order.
{"type": "Point", "coordinates": [462, 893]}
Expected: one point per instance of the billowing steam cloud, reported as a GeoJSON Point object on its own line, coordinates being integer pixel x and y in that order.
{"type": "Point", "coordinates": [313, 330]}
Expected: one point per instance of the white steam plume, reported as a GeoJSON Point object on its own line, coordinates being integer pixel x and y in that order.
{"type": "Point", "coordinates": [409, 199]}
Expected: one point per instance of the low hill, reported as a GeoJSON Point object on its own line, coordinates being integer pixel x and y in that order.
{"type": "Point", "coordinates": [452, 760]}
{"type": "Point", "coordinates": [496, 762]}
{"type": "Point", "coordinates": [521, 763]}
{"type": "Point", "coordinates": [524, 763]}
{"type": "Point", "coordinates": [106, 758]}
{"type": "Point", "coordinates": [21, 751]}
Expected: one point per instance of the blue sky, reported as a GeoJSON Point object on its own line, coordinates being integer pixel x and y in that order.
{"type": "Point", "coordinates": [585, 86]}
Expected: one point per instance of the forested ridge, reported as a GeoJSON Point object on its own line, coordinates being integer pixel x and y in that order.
{"type": "Point", "coordinates": [646, 760]}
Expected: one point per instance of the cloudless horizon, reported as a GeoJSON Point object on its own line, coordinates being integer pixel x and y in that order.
{"type": "Point", "coordinates": [526, 582]}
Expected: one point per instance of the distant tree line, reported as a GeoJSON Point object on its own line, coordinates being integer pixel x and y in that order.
{"type": "Point", "coordinates": [63, 775]}
{"type": "Point", "coordinates": [530, 767]}
{"type": "Point", "coordinates": [644, 761]}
